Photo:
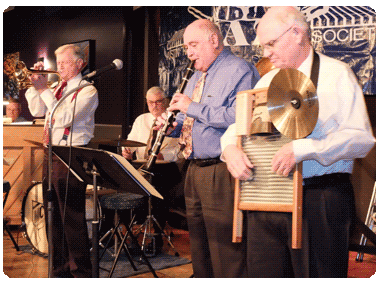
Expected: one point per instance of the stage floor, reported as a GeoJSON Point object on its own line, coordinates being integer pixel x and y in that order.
{"type": "Point", "coordinates": [25, 265]}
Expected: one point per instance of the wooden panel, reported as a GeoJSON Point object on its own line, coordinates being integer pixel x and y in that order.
{"type": "Point", "coordinates": [22, 164]}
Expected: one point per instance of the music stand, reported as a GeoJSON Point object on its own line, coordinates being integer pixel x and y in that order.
{"type": "Point", "coordinates": [109, 170]}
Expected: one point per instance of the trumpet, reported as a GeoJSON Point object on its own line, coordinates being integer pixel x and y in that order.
{"type": "Point", "coordinates": [22, 74]}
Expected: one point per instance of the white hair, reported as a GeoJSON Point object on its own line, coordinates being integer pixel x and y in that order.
{"type": "Point", "coordinates": [155, 90]}
{"type": "Point", "coordinates": [77, 50]}
{"type": "Point", "coordinates": [292, 16]}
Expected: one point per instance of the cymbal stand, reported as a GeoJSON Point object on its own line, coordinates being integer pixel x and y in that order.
{"type": "Point", "coordinates": [148, 226]}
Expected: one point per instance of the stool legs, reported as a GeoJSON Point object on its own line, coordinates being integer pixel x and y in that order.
{"type": "Point", "coordinates": [115, 232]}
{"type": "Point", "coordinates": [123, 245]}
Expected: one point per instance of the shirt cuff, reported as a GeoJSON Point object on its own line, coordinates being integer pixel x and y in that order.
{"type": "Point", "coordinates": [229, 137]}
{"type": "Point", "coordinates": [194, 110]}
{"type": "Point", "coordinates": [301, 149]}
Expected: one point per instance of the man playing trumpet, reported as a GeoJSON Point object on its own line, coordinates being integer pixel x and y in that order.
{"type": "Point", "coordinates": [71, 248]}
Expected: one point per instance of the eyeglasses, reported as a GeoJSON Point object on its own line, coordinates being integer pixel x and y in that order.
{"type": "Point", "coordinates": [270, 45]}
{"type": "Point", "coordinates": [158, 102]}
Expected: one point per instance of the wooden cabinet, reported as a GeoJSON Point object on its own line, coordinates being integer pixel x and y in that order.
{"type": "Point", "coordinates": [22, 164]}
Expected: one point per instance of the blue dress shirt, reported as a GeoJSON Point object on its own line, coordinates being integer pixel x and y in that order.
{"type": "Point", "coordinates": [226, 76]}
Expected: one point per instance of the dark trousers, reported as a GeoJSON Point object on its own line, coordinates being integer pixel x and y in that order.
{"type": "Point", "coordinates": [209, 193]}
{"type": "Point", "coordinates": [71, 247]}
{"type": "Point", "coordinates": [328, 207]}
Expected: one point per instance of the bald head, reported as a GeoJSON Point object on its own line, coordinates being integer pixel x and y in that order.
{"type": "Point", "coordinates": [203, 43]}
{"type": "Point", "coordinates": [207, 28]}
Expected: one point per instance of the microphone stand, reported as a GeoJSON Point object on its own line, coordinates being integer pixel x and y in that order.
{"type": "Point", "coordinates": [50, 170]}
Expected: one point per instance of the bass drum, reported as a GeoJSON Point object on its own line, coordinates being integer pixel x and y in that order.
{"type": "Point", "coordinates": [33, 217]}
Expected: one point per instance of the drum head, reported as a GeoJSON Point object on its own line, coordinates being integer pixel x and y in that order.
{"type": "Point", "coordinates": [33, 217]}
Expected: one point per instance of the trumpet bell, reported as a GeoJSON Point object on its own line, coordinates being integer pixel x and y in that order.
{"type": "Point", "coordinates": [22, 74]}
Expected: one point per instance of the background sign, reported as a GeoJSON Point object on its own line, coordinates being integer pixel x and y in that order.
{"type": "Point", "coordinates": [347, 33]}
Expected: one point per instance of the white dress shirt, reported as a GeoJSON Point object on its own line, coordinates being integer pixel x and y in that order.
{"type": "Point", "coordinates": [343, 131]}
{"type": "Point", "coordinates": [85, 106]}
{"type": "Point", "coordinates": [140, 132]}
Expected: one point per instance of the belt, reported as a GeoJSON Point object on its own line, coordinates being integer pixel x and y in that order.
{"type": "Point", "coordinates": [327, 180]}
{"type": "Point", "coordinates": [205, 162]}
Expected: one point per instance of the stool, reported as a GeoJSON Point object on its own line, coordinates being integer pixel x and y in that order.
{"type": "Point", "coordinates": [118, 202]}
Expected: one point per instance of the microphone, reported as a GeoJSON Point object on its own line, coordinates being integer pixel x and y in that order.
{"type": "Point", "coordinates": [116, 64]}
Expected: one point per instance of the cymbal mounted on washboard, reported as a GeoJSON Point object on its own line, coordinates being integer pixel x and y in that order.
{"type": "Point", "coordinates": [290, 104]}
{"type": "Point", "coordinates": [293, 103]}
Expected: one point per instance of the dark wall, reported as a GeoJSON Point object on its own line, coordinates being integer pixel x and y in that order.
{"type": "Point", "coordinates": [29, 29]}
{"type": "Point", "coordinates": [144, 73]}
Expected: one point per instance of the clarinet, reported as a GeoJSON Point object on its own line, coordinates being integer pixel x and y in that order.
{"type": "Point", "coordinates": [168, 122]}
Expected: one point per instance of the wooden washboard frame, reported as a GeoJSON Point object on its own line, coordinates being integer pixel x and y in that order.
{"type": "Point", "coordinates": [246, 101]}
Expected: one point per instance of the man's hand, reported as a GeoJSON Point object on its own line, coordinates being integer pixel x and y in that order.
{"type": "Point", "coordinates": [180, 102]}
{"type": "Point", "coordinates": [127, 153]}
{"type": "Point", "coordinates": [238, 163]}
{"type": "Point", "coordinates": [284, 160]}
{"type": "Point", "coordinates": [161, 121]}
{"type": "Point", "coordinates": [39, 81]}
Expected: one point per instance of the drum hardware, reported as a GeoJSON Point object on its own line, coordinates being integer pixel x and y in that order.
{"type": "Point", "coordinates": [109, 170]}
{"type": "Point", "coordinates": [148, 244]}
{"type": "Point", "coordinates": [119, 142]}
{"type": "Point", "coordinates": [285, 105]}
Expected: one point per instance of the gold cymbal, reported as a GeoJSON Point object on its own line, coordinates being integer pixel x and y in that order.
{"type": "Point", "coordinates": [293, 103]}
{"type": "Point", "coordinates": [119, 142]}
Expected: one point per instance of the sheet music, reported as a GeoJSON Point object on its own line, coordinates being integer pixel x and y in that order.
{"type": "Point", "coordinates": [136, 174]}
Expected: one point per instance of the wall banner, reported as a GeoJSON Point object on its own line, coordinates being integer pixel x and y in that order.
{"type": "Point", "coordinates": [347, 33]}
